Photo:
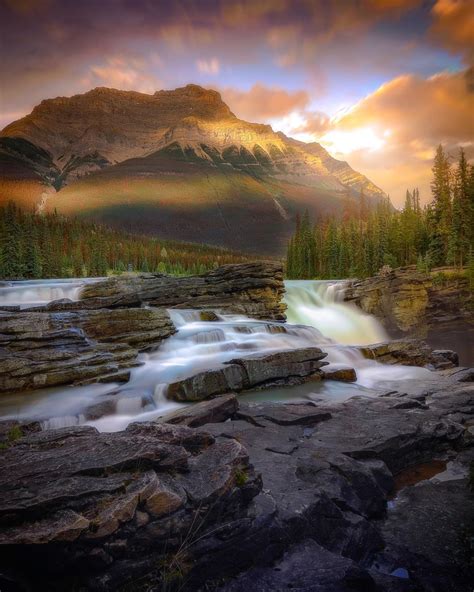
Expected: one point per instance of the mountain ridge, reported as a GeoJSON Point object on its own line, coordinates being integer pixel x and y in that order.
{"type": "Point", "coordinates": [157, 145]}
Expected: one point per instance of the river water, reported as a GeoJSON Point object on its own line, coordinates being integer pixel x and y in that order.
{"type": "Point", "coordinates": [317, 316]}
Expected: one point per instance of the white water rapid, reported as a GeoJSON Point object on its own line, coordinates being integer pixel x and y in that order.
{"type": "Point", "coordinates": [317, 316]}
{"type": "Point", "coordinates": [30, 293]}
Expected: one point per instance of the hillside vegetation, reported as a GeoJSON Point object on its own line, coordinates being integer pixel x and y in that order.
{"type": "Point", "coordinates": [51, 246]}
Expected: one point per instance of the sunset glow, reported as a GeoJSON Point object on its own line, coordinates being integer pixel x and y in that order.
{"type": "Point", "coordinates": [377, 82]}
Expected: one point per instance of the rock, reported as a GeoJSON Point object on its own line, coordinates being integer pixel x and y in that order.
{"type": "Point", "coordinates": [249, 372]}
{"type": "Point", "coordinates": [208, 383]}
{"type": "Point", "coordinates": [435, 558]}
{"type": "Point", "coordinates": [306, 567]}
{"type": "Point", "coordinates": [276, 495]}
{"type": "Point", "coordinates": [213, 411]}
{"type": "Point", "coordinates": [40, 351]}
{"type": "Point", "coordinates": [338, 372]}
{"type": "Point", "coordinates": [282, 365]}
{"type": "Point", "coordinates": [253, 289]}
{"type": "Point", "coordinates": [77, 486]}
{"type": "Point", "coordinates": [435, 306]}
{"type": "Point", "coordinates": [306, 414]}
{"type": "Point", "coordinates": [410, 352]}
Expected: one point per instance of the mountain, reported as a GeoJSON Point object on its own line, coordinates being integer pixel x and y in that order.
{"type": "Point", "coordinates": [178, 164]}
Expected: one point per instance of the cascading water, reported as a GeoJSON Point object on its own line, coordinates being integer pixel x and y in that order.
{"type": "Point", "coordinates": [29, 293]}
{"type": "Point", "coordinates": [317, 316]}
{"type": "Point", "coordinates": [320, 304]}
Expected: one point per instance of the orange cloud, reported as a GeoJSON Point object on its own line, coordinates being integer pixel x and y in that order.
{"type": "Point", "coordinates": [262, 103]}
{"type": "Point", "coordinates": [392, 133]}
{"type": "Point", "coordinates": [453, 25]}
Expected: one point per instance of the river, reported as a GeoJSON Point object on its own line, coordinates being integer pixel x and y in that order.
{"type": "Point", "coordinates": [317, 316]}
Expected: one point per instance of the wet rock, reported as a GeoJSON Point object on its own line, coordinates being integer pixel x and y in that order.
{"type": "Point", "coordinates": [336, 372]}
{"type": "Point", "coordinates": [274, 488]}
{"type": "Point", "coordinates": [40, 351]}
{"type": "Point", "coordinates": [213, 411]}
{"type": "Point", "coordinates": [248, 372]}
{"type": "Point", "coordinates": [434, 558]}
{"type": "Point", "coordinates": [265, 368]}
{"type": "Point", "coordinates": [306, 414]}
{"type": "Point", "coordinates": [411, 352]}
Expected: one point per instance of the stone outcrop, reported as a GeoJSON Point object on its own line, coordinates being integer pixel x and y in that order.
{"type": "Point", "coordinates": [38, 350]}
{"type": "Point", "coordinates": [253, 289]}
{"type": "Point", "coordinates": [412, 303]}
{"type": "Point", "coordinates": [410, 352]}
{"type": "Point", "coordinates": [249, 372]}
{"type": "Point", "coordinates": [274, 496]}
{"type": "Point", "coordinates": [97, 496]}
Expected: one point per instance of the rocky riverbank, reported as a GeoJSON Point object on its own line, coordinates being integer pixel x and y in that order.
{"type": "Point", "coordinates": [99, 337]}
{"type": "Point", "coordinates": [253, 497]}
{"type": "Point", "coordinates": [437, 306]}
{"type": "Point", "coordinates": [373, 494]}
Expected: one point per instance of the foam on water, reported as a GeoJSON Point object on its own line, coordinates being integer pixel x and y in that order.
{"type": "Point", "coordinates": [317, 317]}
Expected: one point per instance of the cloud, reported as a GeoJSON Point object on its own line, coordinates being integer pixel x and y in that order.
{"type": "Point", "coordinates": [453, 26]}
{"type": "Point", "coordinates": [210, 67]}
{"type": "Point", "coordinates": [123, 74]}
{"type": "Point", "coordinates": [391, 134]}
{"type": "Point", "coordinates": [262, 103]}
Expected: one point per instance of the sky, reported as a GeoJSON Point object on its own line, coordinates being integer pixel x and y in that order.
{"type": "Point", "coordinates": [379, 83]}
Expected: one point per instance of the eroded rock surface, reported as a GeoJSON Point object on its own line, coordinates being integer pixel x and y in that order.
{"type": "Point", "coordinates": [272, 497]}
{"type": "Point", "coordinates": [414, 304]}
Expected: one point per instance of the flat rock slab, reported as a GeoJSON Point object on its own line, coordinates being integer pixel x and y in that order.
{"type": "Point", "coordinates": [306, 567]}
{"type": "Point", "coordinates": [249, 372]}
{"type": "Point", "coordinates": [254, 289]}
{"type": "Point", "coordinates": [214, 411]}
{"type": "Point", "coordinates": [411, 352]}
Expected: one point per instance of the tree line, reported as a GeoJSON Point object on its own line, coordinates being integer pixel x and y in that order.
{"type": "Point", "coordinates": [49, 245]}
{"type": "Point", "coordinates": [363, 239]}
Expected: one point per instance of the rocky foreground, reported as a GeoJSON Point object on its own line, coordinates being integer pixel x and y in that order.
{"type": "Point", "coordinates": [236, 497]}
{"type": "Point", "coordinates": [373, 494]}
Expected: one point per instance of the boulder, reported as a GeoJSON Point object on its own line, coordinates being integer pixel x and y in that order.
{"type": "Point", "coordinates": [339, 372]}
{"type": "Point", "coordinates": [249, 372]}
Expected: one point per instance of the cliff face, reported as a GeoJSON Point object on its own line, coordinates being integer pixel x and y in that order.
{"type": "Point", "coordinates": [437, 306]}
{"type": "Point", "coordinates": [178, 163]}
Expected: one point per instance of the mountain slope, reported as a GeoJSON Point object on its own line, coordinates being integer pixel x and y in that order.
{"type": "Point", "coordinates": [178, 164]}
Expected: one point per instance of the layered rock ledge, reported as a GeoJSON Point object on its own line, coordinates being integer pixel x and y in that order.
{"type": "Point", "coordinates": [411, 303]}
{"type": "Point", "coordinates": [98, 337]}
{"type": "Point", "coordinates": [258, 497]}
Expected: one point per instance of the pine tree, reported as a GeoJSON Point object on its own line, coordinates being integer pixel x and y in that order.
{"type": "Point", "coordinates": [441, 208]}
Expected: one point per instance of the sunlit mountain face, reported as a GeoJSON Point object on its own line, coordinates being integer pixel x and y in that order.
{"type": "Point", "coordinates": [376, 83]}
{"type": "Point", "coordinates": [176, 163]}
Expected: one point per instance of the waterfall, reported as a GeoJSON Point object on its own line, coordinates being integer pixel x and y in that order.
{"type": "Point", "coordinates": [320, 304]}
{"type": "Point", "coordinates": [29, 293]}
{"type": "Point", "coordinates": [317, 316]}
